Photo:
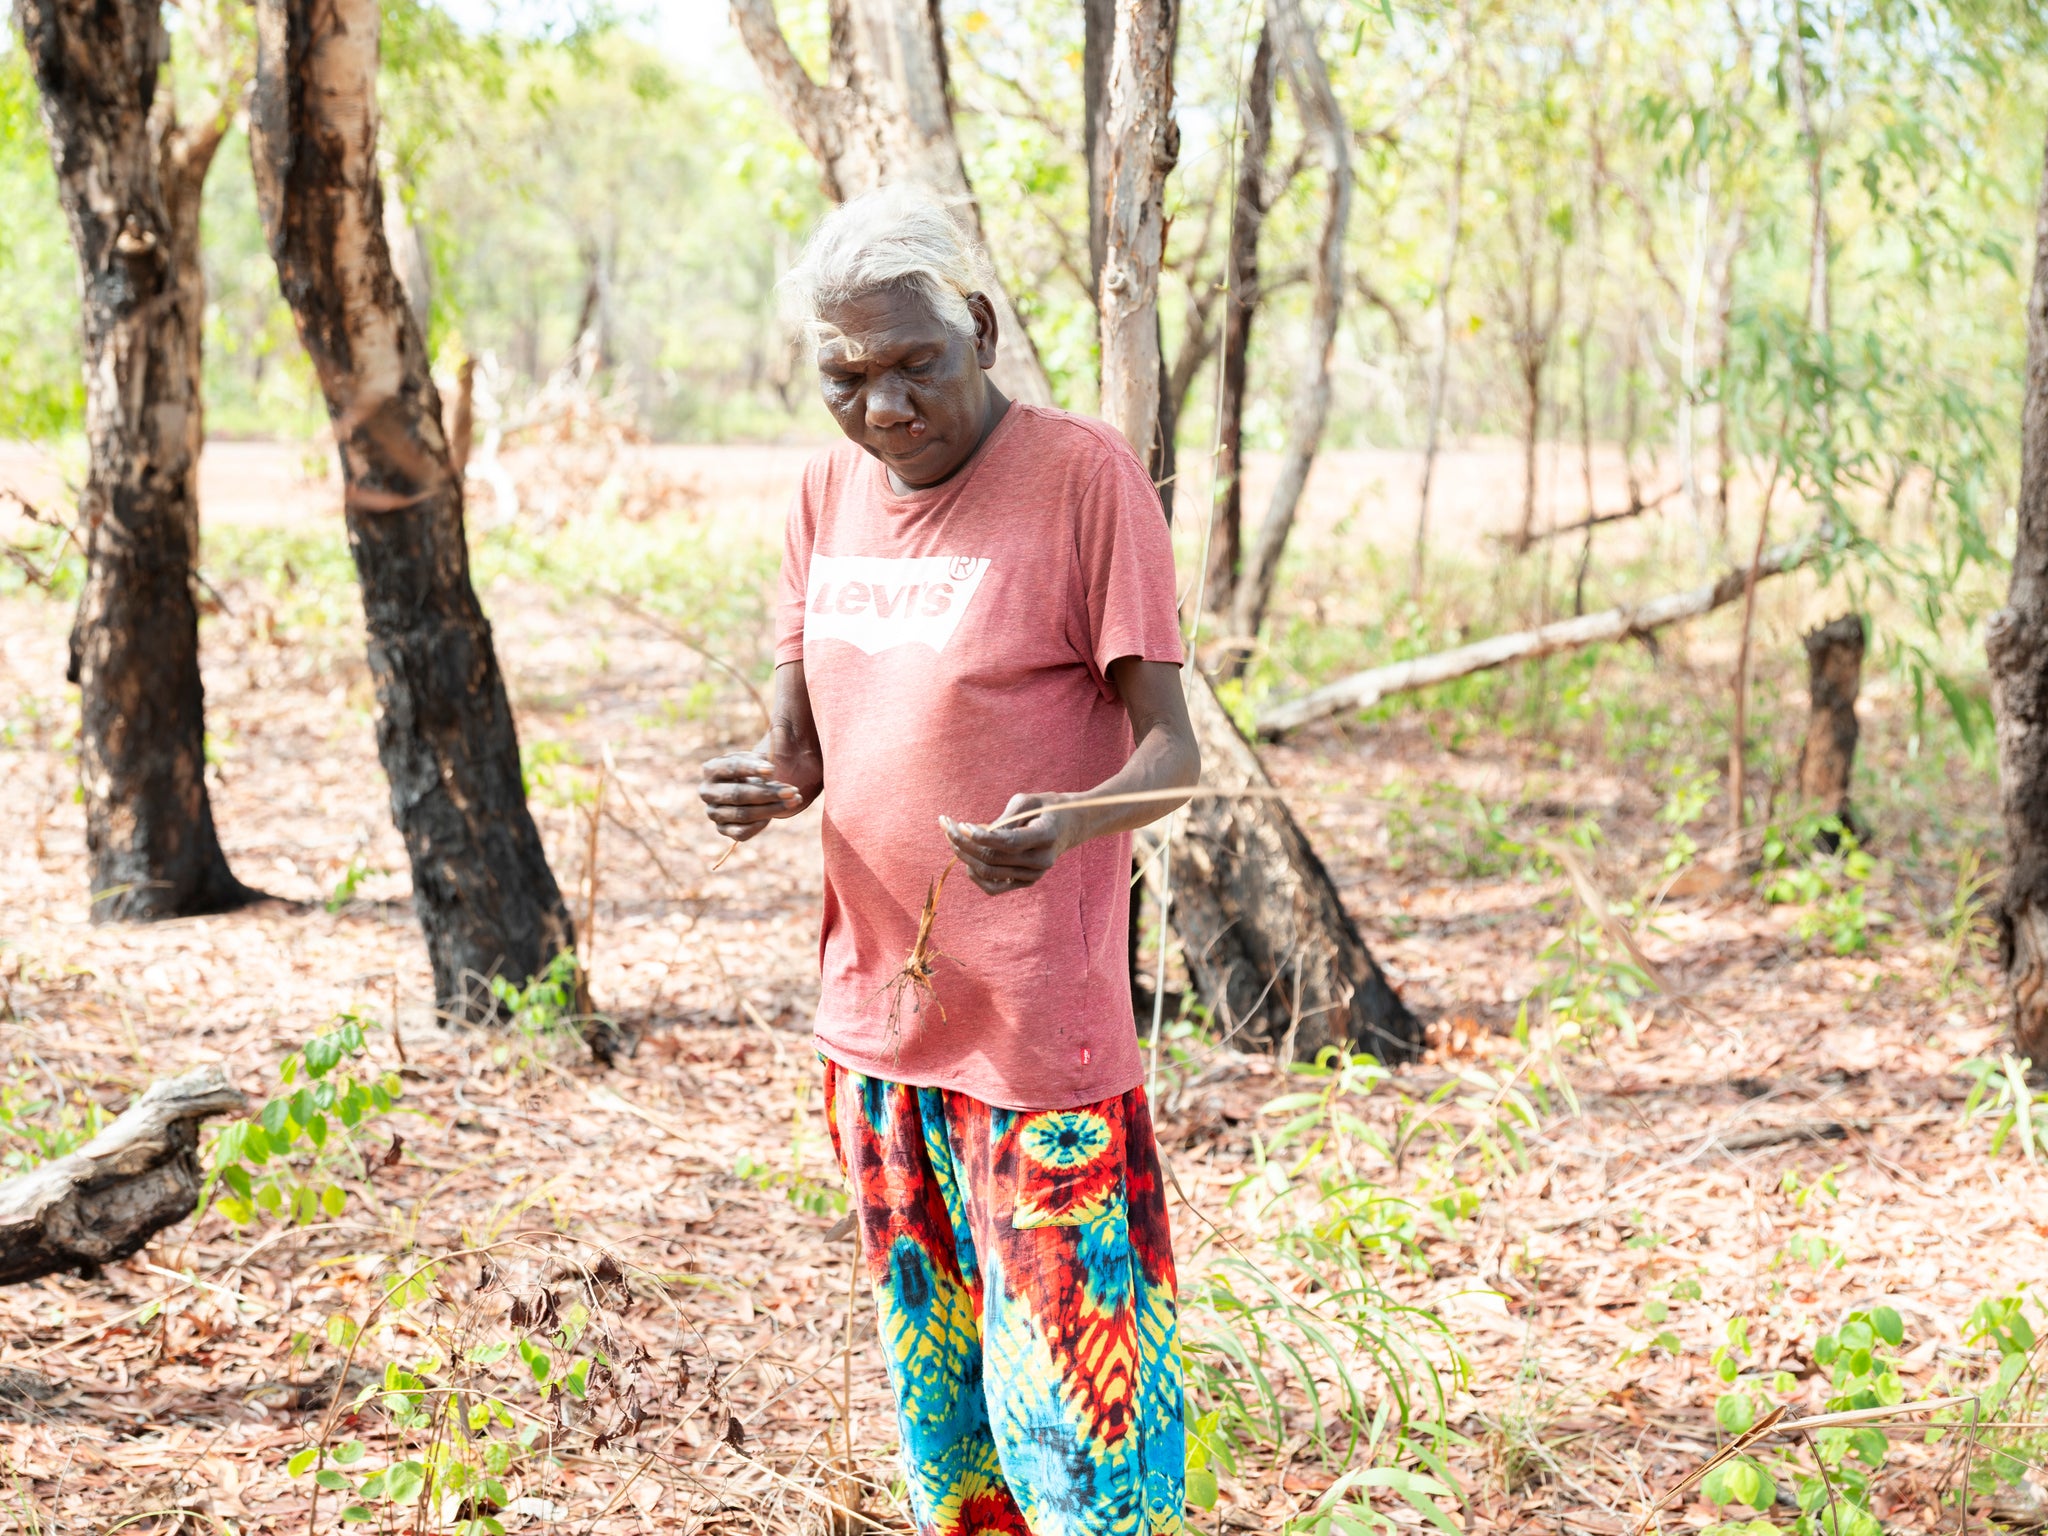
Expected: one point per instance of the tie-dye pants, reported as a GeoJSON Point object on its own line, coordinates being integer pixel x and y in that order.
{"type": "Point", "coordinates": [1023, 1276]}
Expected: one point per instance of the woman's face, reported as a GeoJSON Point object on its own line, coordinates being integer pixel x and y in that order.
{"type": "Point", "coordinates": [904, 385]}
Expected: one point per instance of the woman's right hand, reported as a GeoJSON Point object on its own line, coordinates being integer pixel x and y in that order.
{"type": "Point", "coordinates": [741, 794]}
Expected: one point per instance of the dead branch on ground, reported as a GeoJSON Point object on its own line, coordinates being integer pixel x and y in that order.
{"type": "Point", "coordinates": [104, 1201]}
{"type": "Point", "coordinates": [1361, 690]}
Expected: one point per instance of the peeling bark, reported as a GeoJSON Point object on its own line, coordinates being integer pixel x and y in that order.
{"type": "Point", "coordinates": [886, 117]}
{"type": "Point", "coordinates": [481, 885]}
{"type": "Point", "coordinates": [1322, 121]}
{"type": "Point", "coordinates": [103, 1202]}
{"type": "Point", "coordinates": [129, 181]}
{"type": "Point", "coordinates": [2016, 644]}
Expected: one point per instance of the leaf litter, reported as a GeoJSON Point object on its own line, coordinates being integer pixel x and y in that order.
{"type": "Point", "coordinates": [682, 1194]}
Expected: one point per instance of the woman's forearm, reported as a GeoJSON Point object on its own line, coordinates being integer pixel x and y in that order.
{"type": "Point", "coordinates": [1161, 761]}
{"type": "Point", "coordinates": [1163, 757]}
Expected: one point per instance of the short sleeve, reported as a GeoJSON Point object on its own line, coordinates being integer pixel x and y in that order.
{"type": "Point", "coordinates": [799, 535]}
{"type": "Point", "coordinates": [1125, 565]}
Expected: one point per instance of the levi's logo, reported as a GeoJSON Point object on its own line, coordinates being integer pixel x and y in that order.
{"type": "Point", "coordinates": [877, 603]}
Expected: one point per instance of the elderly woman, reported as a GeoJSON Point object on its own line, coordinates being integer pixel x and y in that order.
{"type": "Point", "coordinates": [978, 619]}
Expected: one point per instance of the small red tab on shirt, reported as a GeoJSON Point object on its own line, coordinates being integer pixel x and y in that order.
{"type": "Point", "coordinates": [1084, 1055]}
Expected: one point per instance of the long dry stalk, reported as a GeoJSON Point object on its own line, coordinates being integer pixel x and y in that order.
{"type": "Point", "coordinates": [913, 982]}
{"type": "Point", "coordinates": [1774, 1424]}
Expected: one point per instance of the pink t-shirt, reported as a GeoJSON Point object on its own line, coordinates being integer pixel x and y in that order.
{"type": "Point", "coordinates": [956, 643]}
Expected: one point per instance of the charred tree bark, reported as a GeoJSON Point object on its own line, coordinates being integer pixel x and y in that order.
{"type": "Point", "coordinates": [1241, 303]}
{"type": "Point", "coordinates": [1267, 940]}
{"type": "Point", "coordinates": [103, 1202]}
{"type": "Point", "coordinates": [2016, 644]}
{"type": "Point", "coordinates": [129, 181]}
{"type": "Point", "coordinates": [1323, 125]}
{"type": "Point", "coordinates": [481, 884]}
{"type": "Point", "coordinates": [886, 116]}
{"type": "Point", "coordinates": [1834, 663]}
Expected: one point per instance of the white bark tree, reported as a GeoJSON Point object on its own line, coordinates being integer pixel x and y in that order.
{"type": "Point", "coordinates": [885, 115]}
{"type": "Point", "coordinates": [1267, 940]}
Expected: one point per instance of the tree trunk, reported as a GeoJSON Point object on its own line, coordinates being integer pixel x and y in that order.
{"type": "Point", "coordinates": [1819, 303]}
{"type": "Point", "coordinates": [1241, 275]}
{"type": "Point", "coordinates": [1323, 124]}
{"type": "Point", "coordinates": [151, 845]}
{"type": "Point", "coordinates": [1098, 37]}
{"type": "Point", "coordinates": [1440, 380]}
{"type": "Point", "coordinates": [1142, 144]}
{"type": "Point", "coordinates": [2016, 643]}
{"type": "Point", "coordinates": [481, 884]}
{"type": "Point", "coordinates": [886, 116]}
{"type": "Point", "coordinates": [1834, 663]}
{"type": "Point", "coordinates": [1098, 43]}
{"type": "Point", "coordinates": [1164, 464]}
{"type": "Point", "coordinates": [1266, 937]}
{"type": "Point", "coordinates": [103, 1202]}
{"type": "Point", "coordinates": [1267, 940]}
{"type": "Point", "coordinates": [1532, 425]}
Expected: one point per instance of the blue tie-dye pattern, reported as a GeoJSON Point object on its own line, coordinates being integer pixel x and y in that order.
{"type": "Point", "coordinates": [1025, 1438]}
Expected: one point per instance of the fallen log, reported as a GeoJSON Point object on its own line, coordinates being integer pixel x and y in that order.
{"type": "Point", "coordinates": [1361, 690]}
{"type": "Point", "coordinates": [104, 1201]}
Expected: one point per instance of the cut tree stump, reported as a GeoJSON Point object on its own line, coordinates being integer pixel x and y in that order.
{"type": "Point", "coordinates": [104, 1201]}
{"type": "Point", "coordinates": [1268, 943]}
{"type": "Point", "coordinates": [1834, 659]}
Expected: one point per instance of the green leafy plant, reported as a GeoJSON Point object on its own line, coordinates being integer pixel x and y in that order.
{"type": "Point", "coordinates": [38, 1125]}
{"type": "Point", "coordinates": [359, 869]}
{"type": "Point", "coordinates": [1657, 1313]}
{"type": "Point", "coordinates": [548, 774]}
{"type": "Point", "coordinates": [1292, 1302]}
{"type": "Point", "coordinates": [1812, 1250]}
{"type": "Point", "coordinates": [1692, 792]}
{"type": "Point", "coordinates": [2000, 1091]}
{"type": "Point", "coordinates": [1817, 1192]}
{"type": "Point", "coordinates": [1832, 887]}
{"type": "Point", "coordinates": [544, 1015]}
{"type": "Point", "coordinates": [2013, 1393]}
{"type": "Point", "coordinates": [1965, 926]}
{"type": "Point", "coordinates": [1858, 1359]}
{"type": "Point", "coordinates": [288, 1159]}
{"type": "Point", "coordinates": [520, 1361]}
{"type": "Point", "coordinates": [817, 1196]}
{"type": "Point", "coordinates": [1453, 832]}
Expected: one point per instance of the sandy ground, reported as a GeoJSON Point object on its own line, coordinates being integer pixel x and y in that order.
{"type": "Point", "coordinates": [1664, 1185]}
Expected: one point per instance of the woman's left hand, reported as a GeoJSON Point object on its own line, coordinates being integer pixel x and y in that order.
{"type": "Point", "coordinates": [1013, 857]}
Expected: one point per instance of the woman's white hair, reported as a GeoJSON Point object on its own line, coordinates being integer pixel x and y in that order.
{"type": "Point", "coordinates": [899, 236]}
